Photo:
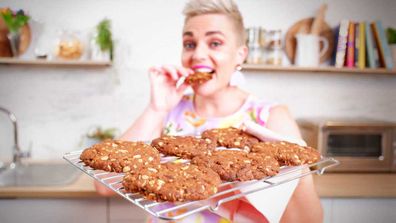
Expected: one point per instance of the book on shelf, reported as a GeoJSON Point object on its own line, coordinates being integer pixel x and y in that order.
{"type": "Point", "coordinates": [350, 46]}
{"type": "Point", "coordinates": [372, 53]}
{"type": "Point", "coordinates": [357, 42]}
{"type": "Point", "coordinates": [382, 45]}
{"type": "Point", "coordinates": [334, 52]}
{"type": "Point", "coordinates": [362, 46]}
{"type": "Point", "coordinates": [341, 43]}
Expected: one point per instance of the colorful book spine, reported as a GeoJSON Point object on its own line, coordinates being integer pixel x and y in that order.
{"type": "Point", "coordinates": [371, 60]}
{"type": "Point", "coordinates": [362, 46]}
{"type": "Point", "coordinates": [382, 43]}
{"type": "Point", "coordinates": [350, 55]}
{"type": "Point", "coordinates": [377, 42]}
{"type": "Point", "coordinates": [357, 42]}
{"type": "Point", "coordinates": [341, 43]}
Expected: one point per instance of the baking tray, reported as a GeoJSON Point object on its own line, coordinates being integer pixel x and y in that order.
{"type": "Point", "coordinates": [228, 191]}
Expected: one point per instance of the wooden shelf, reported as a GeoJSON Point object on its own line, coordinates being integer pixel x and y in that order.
{"type": "Point", "coordinates": [65, 63]}
{"type": "Point", "coordinates": [260, 67]}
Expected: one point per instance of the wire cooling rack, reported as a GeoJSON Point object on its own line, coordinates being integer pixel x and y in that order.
{"type": "Point", "coordinates": [227, 191]}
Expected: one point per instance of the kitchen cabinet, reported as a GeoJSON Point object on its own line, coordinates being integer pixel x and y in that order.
{"type": "Point", "coordinates": [313, 70]}
{"type": "Point", "coordinates": [95, 210]}
{"type": "Point", "coordinates": [363, 210]}
{"type": "Point", "coordinates": [122, 211]}
{"type": "Point", "coordinates": [53, 210]}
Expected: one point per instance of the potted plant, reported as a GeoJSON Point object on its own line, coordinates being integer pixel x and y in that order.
{"type": "Point", "coordinates": [391, 35]}
{"type": "Point", "coordinates": [14, 22]}
{"type": "Point", "coordinates": [102, 42]}
{"type": "Point", "coordinates": [97, 134]}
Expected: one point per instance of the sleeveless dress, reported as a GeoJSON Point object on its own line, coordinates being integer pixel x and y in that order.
{"type": "Point", "coordinates": [184, 120]}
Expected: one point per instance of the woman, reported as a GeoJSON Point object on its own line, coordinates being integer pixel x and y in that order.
{"type": "Point", "coordinates": [214, 39]}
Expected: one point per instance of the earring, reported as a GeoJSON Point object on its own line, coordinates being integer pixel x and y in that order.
{"type": "Point", "coordinates": [238, 67]}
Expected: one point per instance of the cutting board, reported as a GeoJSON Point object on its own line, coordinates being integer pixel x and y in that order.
{"type": "Point", "coordinates": [305, 24]}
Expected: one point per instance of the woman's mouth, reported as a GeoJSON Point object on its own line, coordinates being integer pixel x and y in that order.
{"type": "Point", "coordinates": [203, 69]}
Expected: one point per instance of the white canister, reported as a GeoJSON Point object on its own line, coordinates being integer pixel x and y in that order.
{"type": "Point", "coordinates": [308, 49]}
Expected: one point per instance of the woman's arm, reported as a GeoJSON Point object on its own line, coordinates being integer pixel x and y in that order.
{"type": "Point", "coordinates": [164, 96]}
{"type": "Point", "coordinates": [304, 205]}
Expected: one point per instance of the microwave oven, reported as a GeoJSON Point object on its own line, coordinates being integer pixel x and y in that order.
{"type": "Point", "coordinates": [360, 145]}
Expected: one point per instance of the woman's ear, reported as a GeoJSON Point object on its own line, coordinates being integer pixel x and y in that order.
{"type": "Point", "coordinates": [242, 54]}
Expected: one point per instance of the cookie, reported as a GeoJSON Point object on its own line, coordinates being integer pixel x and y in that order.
{"type": "Point", "coordinates": [238, 165]}
{"type": "Point", "coordinates": [183, 146]}
{"type": "Point", "coordinates": [288, 154]}
{"type": "Point", "coordinates": [173, 182]}
{"type": "Point", "coordinates": [198, 78]}
{"type": "Point", "coordinates": [231, 138]}
{"type": "Point", "coordinates": [120, 156]}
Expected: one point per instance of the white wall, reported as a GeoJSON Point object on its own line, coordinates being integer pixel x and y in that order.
{"type": "Point", "coordinates": [56, 106]}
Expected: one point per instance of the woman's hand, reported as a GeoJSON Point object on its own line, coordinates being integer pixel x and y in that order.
{"type": "Point", "coordinates": [165, 94]}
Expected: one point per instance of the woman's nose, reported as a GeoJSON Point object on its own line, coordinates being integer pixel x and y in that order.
{"type": "Point", "coordinates": [200, 52]}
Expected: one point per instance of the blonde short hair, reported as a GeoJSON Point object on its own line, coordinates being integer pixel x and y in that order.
{"type": "Point", "coordinates": [225, 7]}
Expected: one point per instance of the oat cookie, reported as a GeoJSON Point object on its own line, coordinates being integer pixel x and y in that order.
{"type": "Point", "coordinates": [120, 156]}
{"type": "Point", "coordinates": [239, 165]}
{"type": "Point", "coordinates": [183, 146]}
{"type": "Point", "coordinates": [231, 138]}
{"type": "Point", "coordinates": [289, 154]}
{"type": "Point", "coordinates": [198, 78]}
{"type": "Point", "coordinates": [173, 182]}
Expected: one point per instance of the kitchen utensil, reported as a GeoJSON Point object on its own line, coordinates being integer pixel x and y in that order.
{"type": "Point", "coordinates": [319, 20]}
{"type": "Point", "coordinates": [291, 42]}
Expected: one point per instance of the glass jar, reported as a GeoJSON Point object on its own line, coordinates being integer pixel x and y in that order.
{"type": "Point", "coordinates": [263, 41]}
{"type": "Point", "coordinates": [274, 56]}
{"type": "Point", "coordinates": [69, 46]}
{"type": "Point", "coordinates": [254, 56]}
{"type": "Point", "coordinates": [274, 48]}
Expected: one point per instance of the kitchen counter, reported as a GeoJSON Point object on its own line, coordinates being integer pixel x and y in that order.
{"type": "Point", "coordinates": [335, 185]}
{"type": "Point", "coordinates": [82, 187]}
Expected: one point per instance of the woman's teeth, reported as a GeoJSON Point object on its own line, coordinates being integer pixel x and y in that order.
{"type": "Point", "coordinates": [204, 70]}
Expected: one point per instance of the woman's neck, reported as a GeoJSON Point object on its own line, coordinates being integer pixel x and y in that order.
{"type": "Point", "coordinates": [223, 103]}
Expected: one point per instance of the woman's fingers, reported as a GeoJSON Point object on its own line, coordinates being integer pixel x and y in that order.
{"type": "Point", "coordinates": [176, 72]}
{"type": "Point", "coordinates": [170, 74]}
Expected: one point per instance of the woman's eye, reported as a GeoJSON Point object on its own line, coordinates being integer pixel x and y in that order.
{"type": "Point", "coordinates": [189, 45]}
{"type": "Point", "coordinates": [215, 44]}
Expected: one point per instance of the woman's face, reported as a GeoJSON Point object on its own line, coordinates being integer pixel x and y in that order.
{"type": "Point", "coordinates": [210, 40]}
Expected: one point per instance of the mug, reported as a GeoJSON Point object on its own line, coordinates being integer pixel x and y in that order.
{"type": "Point", "coordinates": [308, 50]}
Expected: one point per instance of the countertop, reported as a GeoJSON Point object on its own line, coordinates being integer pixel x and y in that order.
{"type": "Point", "coordinates": [335, 185]}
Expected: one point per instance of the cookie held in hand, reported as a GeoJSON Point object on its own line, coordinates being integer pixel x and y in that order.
{"type": "Point", "coordinates": [198, 78]}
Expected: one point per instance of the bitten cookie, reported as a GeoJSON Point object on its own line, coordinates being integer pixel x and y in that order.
{"type": "Point", "coordinates": [184, 146]}
{"type": "Point", "coordinates": [286, 153]}
{"type": "Point", "coordinates": [120, 156]}
{"type": "Point", "coordinates": [198, 78]}
{"type": "Point", "coordinates": [231, 138]}
{"type": "Point", "coordinates": [173, 182]}
{"type": "Point", "coordinates": [238, 165]}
